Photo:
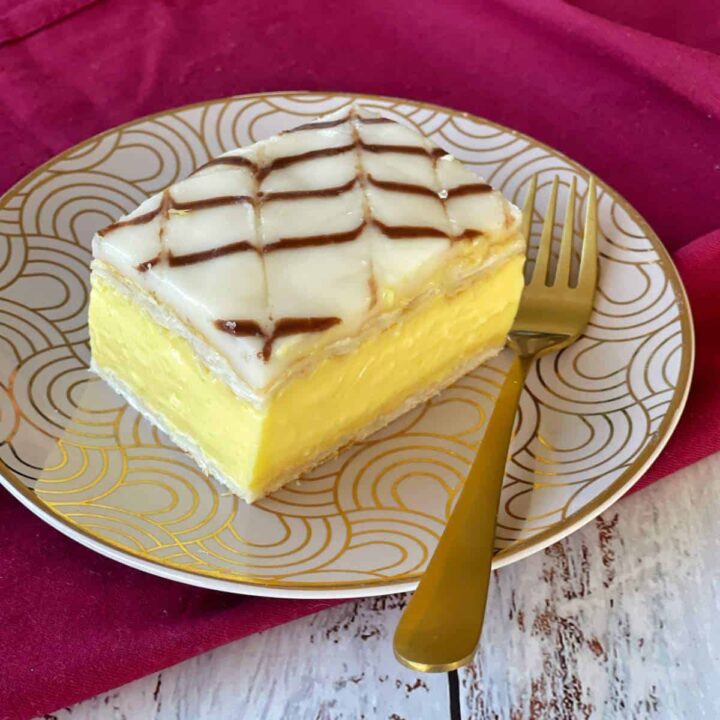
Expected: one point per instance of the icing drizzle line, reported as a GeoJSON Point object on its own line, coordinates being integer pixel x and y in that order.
{"type": "Point", "coordinates": [283, 327]}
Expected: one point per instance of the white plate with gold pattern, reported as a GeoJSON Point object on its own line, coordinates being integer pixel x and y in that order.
{"type": "Point", "coordinates": [591, 421]}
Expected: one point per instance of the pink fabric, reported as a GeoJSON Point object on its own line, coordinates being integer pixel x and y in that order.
{"type": "Point", "coordinates": [634, 94]}
{"type": "Point", "coordinates": [698, 433]}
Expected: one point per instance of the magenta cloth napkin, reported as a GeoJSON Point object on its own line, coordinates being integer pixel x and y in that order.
{"type": "Point", "coordinates": [631, 92]}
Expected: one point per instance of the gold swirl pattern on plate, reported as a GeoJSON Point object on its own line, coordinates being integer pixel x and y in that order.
{"type": "Point", "coordinates": [592, 418]}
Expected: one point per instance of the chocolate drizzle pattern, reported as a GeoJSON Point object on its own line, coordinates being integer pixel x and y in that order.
{"type": "Point", "coordinates": [293, 243]}
{"type": "Point", "coordinates": [288, 326]}
{"type": "Point", "coordinates": [402, 150]}
{"type": "Point", "coordinates": [219, 201]}
{"type": "Point", "coordinates": [232, 160]}
{"type": "Point", "coordinates": [306, 194]}
{"type": "Point", "coordinates": [399, 187]}
{"type": "Point", "coordinates": [323, 125]}
{"type": "Point", "coordinates": [283, 162]}
{"type": "Point", "coordinates": [318, 125]}
{"type": "Point", "coordinates": [143, 219]}
{"type": "Point", "coordinates": [470, 189]}
{"type": "Point", "coordinates": [376, 121]}
{"type": "Point", "coordinates": [212, 253]}
{"type": "Point", "coordinates": [148, 264]}
{"type": "Point", "coordinates": [169, 205]}
{"type": "Point", "coordinates": [283, 328]}
{"type": "Point", "coordinates": [404, 232]}
{"type": "Point", "coordinates": [367, 213]}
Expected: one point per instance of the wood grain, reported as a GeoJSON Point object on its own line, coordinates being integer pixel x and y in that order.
{"type": "Point", "coordinates": [618, 621]}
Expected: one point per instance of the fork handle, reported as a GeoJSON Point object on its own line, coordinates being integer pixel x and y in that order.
{"type": "Point", "coordinates": [440, 627]}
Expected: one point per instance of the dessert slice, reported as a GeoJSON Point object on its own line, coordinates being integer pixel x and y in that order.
{"type": "Point", "coordinates": [298, 294]}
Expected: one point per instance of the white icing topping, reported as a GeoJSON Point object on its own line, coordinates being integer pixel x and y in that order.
{"type": "Point", "coordinates": [311, 216]}
{"type": "Point", "coordinates": [234, 261]}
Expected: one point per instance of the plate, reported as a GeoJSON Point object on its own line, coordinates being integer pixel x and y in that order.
{"type": "Point", "coordinates": [591, 421]}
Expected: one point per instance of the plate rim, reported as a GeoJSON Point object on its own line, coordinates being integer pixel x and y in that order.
{"type": "Point", "coordinates": [354, 589]}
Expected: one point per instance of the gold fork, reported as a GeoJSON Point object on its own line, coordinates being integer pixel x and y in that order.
{"type": "Point", "coordinates": [440, 627]}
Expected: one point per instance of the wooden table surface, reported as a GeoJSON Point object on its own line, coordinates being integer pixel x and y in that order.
{"type": "Point", "coordinates": [620, 620]}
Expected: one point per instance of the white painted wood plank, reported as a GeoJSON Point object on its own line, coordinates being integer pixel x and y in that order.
{"type": "Point", "coordinates": [336, 664]}
{"type": "Point", "coordinates": [618, 621]}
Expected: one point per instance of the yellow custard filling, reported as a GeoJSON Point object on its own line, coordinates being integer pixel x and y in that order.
{"type": "Point", "coordinates": [255, 450]}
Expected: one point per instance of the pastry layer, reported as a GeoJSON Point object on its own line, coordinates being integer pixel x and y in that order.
{"type": "Point", "coordinates": [255, 449]}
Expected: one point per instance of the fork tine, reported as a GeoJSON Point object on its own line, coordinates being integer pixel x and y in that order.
{"type": "Point", "coordinates": [528, 209]}
{"type": "Point", "coordinates": [587, 275]}
{"type": "Point", "coordinates": [562, 272]}
{"type": "Point", "coordinates": [542, 260]}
